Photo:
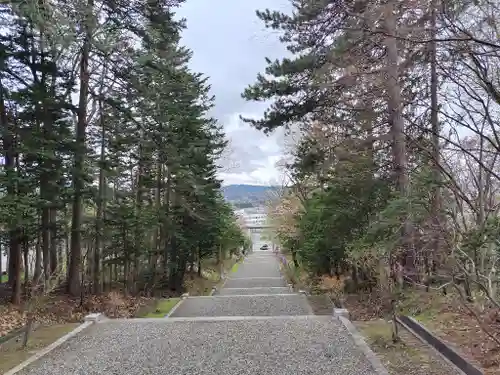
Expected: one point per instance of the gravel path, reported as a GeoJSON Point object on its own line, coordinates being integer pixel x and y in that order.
{"type": "Point", "coordinates": [249, 305]}
{"type": "Point", "coordinates": [259, 329]}
{"type": "Point", "coordinates": [257, 269]}
{"type": "Point", "coordinates": [247, 347]}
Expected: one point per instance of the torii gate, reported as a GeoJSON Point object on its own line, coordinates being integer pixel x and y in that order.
{"type": "Point", "coordinates": [258, 228]}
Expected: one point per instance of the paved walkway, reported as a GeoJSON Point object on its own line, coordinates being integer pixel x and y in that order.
{"type": "Point", "coordinates": [254, 326]}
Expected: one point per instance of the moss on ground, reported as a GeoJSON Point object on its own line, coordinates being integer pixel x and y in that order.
{"type": "Point", "coordinates": [235, 267]}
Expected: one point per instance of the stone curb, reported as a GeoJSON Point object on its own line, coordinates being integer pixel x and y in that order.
{"type": "Point", "coordinates": [95, 318]}
{"type": "Point", "coordinates": [341, 312]}
{"type": "Point", "coordinates": [255, 278]}
{"type": "Point", "coordinates": [245, 295]}
{"type": "Point", "coordinates": [358, 339]}
{"type": "Point", "coordinates": [237, 318]}
{"type": "Point", "coordinates": [89, 320]}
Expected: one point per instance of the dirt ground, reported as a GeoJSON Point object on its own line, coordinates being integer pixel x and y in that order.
{"type": "Point", "coordinates": [409, 356]}
{"type": "Point", "coordinates": [12, 353]}
{"type": "Point", "coordinates": [445, 316]}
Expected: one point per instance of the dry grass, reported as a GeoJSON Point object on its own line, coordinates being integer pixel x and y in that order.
{"type": "Point", "coordinates": [12, 354]}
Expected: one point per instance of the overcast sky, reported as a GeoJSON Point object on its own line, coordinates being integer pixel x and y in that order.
{"type": "Point", "coordinates": [229, 44]}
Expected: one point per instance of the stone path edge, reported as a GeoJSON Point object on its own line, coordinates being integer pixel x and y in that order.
{"type": "Point", "coordinates": [358, 339]}
{"type": "Point", "coordinates": [215, 318]}
{"type": "Point", "coordinates": [245, 295]}
{"type": "Point", "coordinates": [255, 278]}
{"type": "Point", "coordinates": [259, 287]}
{"type": "Point", "coordinates": [215, 288]}
{"type": "Point", "coordinates": [51, 347]}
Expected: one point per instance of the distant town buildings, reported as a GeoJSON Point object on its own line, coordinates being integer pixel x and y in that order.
{"type": "Point", "coordinates": [252, 216]}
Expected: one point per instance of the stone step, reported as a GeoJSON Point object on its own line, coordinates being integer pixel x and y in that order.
{"type": "Point", "coordinates": [271, 290]}
{"type": "Point", "coordinates": [252, 282]}
{"type": "Point", "coordinates": [244, 305]}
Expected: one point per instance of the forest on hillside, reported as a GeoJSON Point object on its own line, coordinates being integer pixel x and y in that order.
{"type": "Point", "coordinates": [395, 177]}
{"type": "Point", "coordinates": [245, 196]}
{"type": "Point", "coordinates": [109, 154]}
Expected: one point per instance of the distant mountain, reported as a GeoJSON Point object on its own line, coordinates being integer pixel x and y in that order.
{"type": "Point", "coordinates": [248, 195]}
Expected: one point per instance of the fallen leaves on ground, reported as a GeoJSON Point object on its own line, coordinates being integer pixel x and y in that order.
{"type": "Point", "coordinates": [56, 309]}
{"type": "Point", "coordinates": [10, 319]}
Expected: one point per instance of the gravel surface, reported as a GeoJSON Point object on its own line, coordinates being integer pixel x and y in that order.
{"type": "Point", "coordinates": [259, 347]}
{"type": "Point", "coordinates": [254, 283]}
{"type": "Point", "coordinates": [281, 338]}
{"type": "Point", "coordinates": [257, 269]}
{"type": "Point", "coordinates": [244, 306]}
{"type": "Point", "coordinates": [278, 290]}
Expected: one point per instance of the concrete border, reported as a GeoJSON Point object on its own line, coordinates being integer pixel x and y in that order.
{"type": "Point", "coordinates": [358, 339]}
{"type": "Point", "coordinates": [95, 318]}
{"type": "Point", "coordinates": [255, 278]}
{"type": "Point", "coordinates": [259, 287]}
{"type": "Point", "coordinates": [218, 318]}
{"type": "Point", "coordinates": [245, 295]}
{"type": "Point", "coordinates": [341, 312]}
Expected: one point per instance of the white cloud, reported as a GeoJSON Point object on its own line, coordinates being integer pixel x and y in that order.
{"type": "Point", "coordinates": [230, 45]}
{"type": "Point", "coordinates": [253, 155]}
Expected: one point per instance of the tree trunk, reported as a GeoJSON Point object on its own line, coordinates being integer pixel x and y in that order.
{"type": "Point", "coordinates": [395, 102]}
{"type": "Point", "coordinates": [15, 255]}
{"type": "Point", "coordinates": [436, 191]}
{"type": "Point", "coordinates": [169, 242]}
{"type": "Point", "coordinates": [46, 243]}
{"type": "Point", "coordinates": [294, 258]}
{"type": "Point", "coordinates": [11, 268]}
{"type": "Point", "coordinates": [26, 250]}
{"type": "Point", "coordinates": [54, 258]}
{"type": "Point", "coordinates": [9, 150]}
{"type": "Point", "coordinates": [199, 261]}
{"type": "Point", "coordinates": [37, 273]}
{"type": "Point", "coordinates": [100, 207]}
{"type": "Point", "coordinates": [396, 122]}
{"type": "Point", "coordinates": [80, 152]}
